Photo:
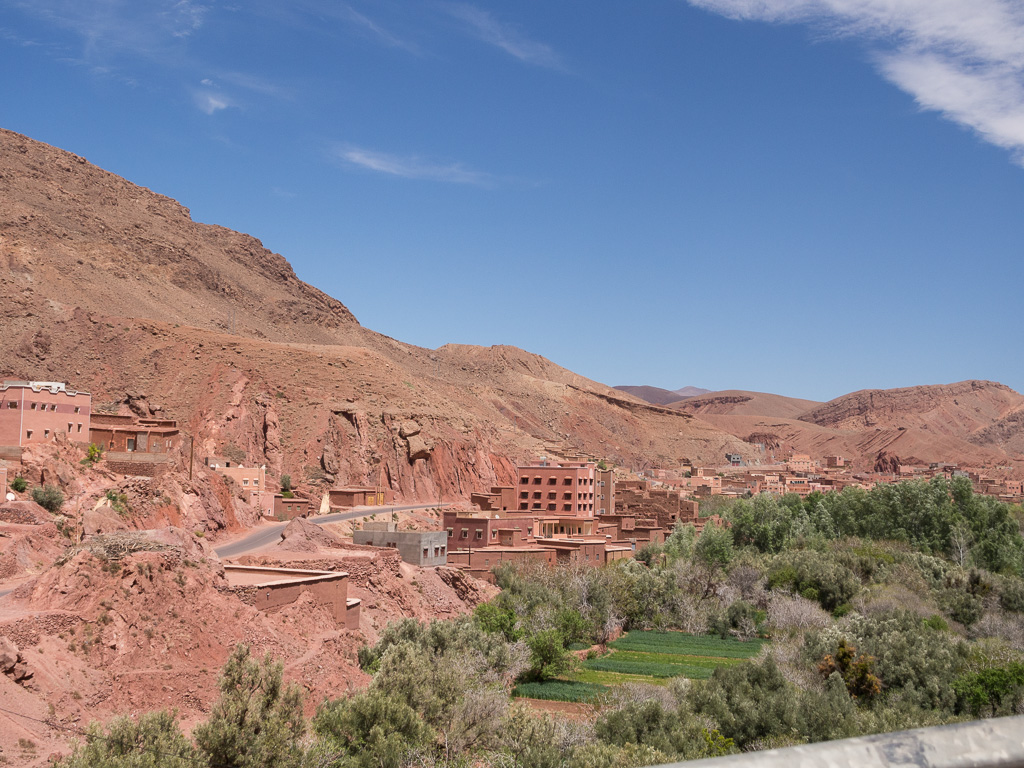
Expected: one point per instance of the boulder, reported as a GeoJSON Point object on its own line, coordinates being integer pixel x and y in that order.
{"type": "Point", "coordinates": [419, 447]}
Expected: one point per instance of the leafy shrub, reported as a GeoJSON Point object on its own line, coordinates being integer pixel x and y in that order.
{"type": "Point", "coordinates": [19, 484]}
{"type": "Point", "coordinates": [153, 740]}
{"type": "Point", "coordinates": [49, 497]}
{"type": "Point", "coordinates": [1000, 688]}
{"type": "Point", "coordinates": [93, 454]}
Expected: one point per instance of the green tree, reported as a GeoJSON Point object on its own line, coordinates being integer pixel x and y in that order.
{"type": "Point", "coordinates": [49, 497]}
{"type": "Point", "coordinates": [152, 741]}
{"type": "Point", "coordinates": [257, 721]}
{"type": "Point", "coordinates": [369, 730]}
{"type": "Point", "coordinates": [548, 655]}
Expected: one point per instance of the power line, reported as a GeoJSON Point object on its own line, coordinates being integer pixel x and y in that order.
{"type": "Point", "coordinates": [80, 732]}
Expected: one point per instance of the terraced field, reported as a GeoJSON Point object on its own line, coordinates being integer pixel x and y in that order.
{"type": "Point", "coordinates": [646, 657]}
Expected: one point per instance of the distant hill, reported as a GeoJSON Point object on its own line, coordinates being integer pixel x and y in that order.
{"type": "Point", "coordinates": [739, 402]}
{"type": "Point", "coordinates": [659, 396]}
{"type": "Point", "coordinates": [691, 391]}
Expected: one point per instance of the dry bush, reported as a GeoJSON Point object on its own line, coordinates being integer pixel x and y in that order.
{"type": "Point", "coordinates": [885, 599]}
{"type": "Point", "coordinates": [1008, 627]}
{"type": "Point", "coordinates": [789, 659]}
{"type": "Point", "coordinates": [793, 614]}
{"type": "Point", "coordinates": [638, 693]}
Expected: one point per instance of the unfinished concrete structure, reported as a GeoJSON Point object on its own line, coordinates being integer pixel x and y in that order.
{"type": "Point", "coordinates": [423, 548]}
{"type": "Point", "coordinates": [268, 589]}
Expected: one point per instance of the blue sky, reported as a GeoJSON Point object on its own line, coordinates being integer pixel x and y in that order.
{"type": "Point", "coordinates": [806, 197]}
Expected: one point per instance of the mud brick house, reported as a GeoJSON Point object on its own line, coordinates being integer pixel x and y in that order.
{"type": "Point", "coordinates": [499, 498]}
{"type": "Point", "coordinates": [39, 411]}
{"type": "Point", "coordinates": [268, 589]}
{"type": "Point", "coordinates": [252, 481]}
{"type": "Point", "coordinates": [346, 498]}
{"type": "Point", "coordinates": [557, 487]}
{"type": "Point", "coordinates": [131, 434]}
{"type": "Point", "coordinates": [479, 562]}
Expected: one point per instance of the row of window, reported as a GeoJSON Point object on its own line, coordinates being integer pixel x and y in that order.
{"type": "Point", "coordinates": [525, 480]}
{"type": "Point", "coordinates": [566, 496]}
{"type": "Point", "coordinates": [13, 405]}
{"type": "Point", "coordinates": [46, 432]}
{"type": "Point", "coordinates": [525, 507]}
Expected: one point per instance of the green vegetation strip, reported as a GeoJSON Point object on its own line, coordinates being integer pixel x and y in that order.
{"type": "Point", "coordinates": [560, 690]}
{"type": "Point", "coordinates": [650, 669]}
{"type": "Point", "coordinates": [677, 643]}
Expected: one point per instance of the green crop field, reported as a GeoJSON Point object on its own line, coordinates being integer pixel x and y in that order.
{"type": "Point", "coordinates": [679, 644]}
{"type": "Point", "coordinates": [561, 690]}
{"type": "Point", "coordinates": [646, 657]}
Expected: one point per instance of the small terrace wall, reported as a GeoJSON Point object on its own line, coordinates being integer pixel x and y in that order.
{"type": "Point", "coordinates": [268, 589]}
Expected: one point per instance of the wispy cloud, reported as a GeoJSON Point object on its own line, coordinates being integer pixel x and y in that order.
{"type": "Point", "coordinates": [507, 37]}
{"type": "Point", "coordinates": [118, 25]}
{"type": "Point", "coordinates": [961, 58]}
{"type": "Point", "coordinates": [410, 167]}
{"type": "Point", "coordinates": [378, 31]}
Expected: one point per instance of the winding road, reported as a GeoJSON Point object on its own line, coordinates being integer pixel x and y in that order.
{"type": "Point", "coordinates": [270, 534]}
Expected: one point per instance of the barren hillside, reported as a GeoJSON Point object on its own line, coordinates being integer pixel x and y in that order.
{"type": "Point", "coordinates": [116, 290]}
{"type": "Point", "coordinates": [973, 422]}
{"type": "Point", "coordinates": [741, 403]}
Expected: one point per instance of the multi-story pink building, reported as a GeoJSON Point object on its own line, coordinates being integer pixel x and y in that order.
{"type": "Point", "coordinates": [559, 488]}
{"type": "Point", "coordinates": [38, 411]}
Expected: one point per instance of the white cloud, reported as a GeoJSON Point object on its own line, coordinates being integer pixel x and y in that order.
{"type": "Point", "coordinates": [410, 167]}
{"type": "Point", "coordinates": [210, 101]}
{"type": "Point", "coordinates": [961, 58]}
{"type": "Point", "coordinates": [485, 27]}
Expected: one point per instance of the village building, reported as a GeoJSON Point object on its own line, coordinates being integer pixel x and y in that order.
{"type": "Point", "coordinates": [556, 487]}
{"type": "Point", "coordinates": [270, 589]}
{"type": "Point", "coordinates": [346, 498]}
{"type": "Point", "coordinates": [423, 548]}
{"type": "Point", "coordinates": [131, 434]}
{"type": "Point", "coordinates": [39, 411]}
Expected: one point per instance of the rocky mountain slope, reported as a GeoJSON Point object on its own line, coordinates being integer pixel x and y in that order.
{"type": "Point", "coordinates": [976, 423]}
{"type": "Point", "coordinates": [116, 290]}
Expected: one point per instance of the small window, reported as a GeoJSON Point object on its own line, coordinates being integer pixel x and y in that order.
{"type": "Point", "coordinates": [46, 433]}
{"type": "Point", "coordinates": [78, 409]}
{"type": "Point", "coordinates": [465, 533]}
{"type": "Point", "coordinates": [256, 481]}
{"type": "Point", "coordinates": [12, 404]}
{"type": "Point", "coordinates": [450, 533]}
{"type": "Point", "coordinates": [524, 480]}
{"type": "Point", "coordinates": [244, 481]}
{"type": "Point", "coordinates": [79, 427]}
{"type": "Point", "coordinates": [479, 533]}
{"type": "Point", "coordinates": [34, 406]}
{"type": "Point", "coordinates": [28, 434]}
{"type": "Point", "coordinates": [494, 533]}
{"type": "Point", "coordinates": [536, 481]}
{"type": "Point", "coordinates": [70, 425]}
{"type": "Point", "coordinates": [552, 480]}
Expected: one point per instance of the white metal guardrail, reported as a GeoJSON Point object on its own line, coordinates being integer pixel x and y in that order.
{"type": "Point", "coordinates": [995, 743]}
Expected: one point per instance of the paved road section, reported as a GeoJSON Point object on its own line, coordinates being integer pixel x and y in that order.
{"type": "Point", "coordinates": [271, 533]}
